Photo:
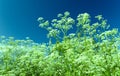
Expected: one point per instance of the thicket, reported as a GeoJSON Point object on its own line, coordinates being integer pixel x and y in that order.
{"type": "Point", "coordinates": [92, 50]}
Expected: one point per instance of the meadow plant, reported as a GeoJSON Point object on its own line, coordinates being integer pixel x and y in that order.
{"type": "Point", "coordinates": [92, 50]}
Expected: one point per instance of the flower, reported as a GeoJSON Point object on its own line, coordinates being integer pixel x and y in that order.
{"type": "Point", "coordinates": [66, 14]}
{"type": "Point", "coordinates": [53, 33]}
{"type": "Point", "coordinates": [99, 17]}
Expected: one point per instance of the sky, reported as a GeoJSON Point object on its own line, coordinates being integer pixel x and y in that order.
{"type": "Point", "coordinates": [18, 18]}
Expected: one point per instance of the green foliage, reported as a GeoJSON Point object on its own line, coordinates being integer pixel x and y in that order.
{"type": "Point", "coordinates": [92, 50]}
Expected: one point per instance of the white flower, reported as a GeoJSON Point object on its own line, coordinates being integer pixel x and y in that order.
{"type": "Point", "coordinates": [44, 24]}
{"type": "Point", "coordinates": [70, 20]}
{"type": "Point", "coordinates": [40, 19]}
{"type": "Point", "coordinates": [99, 17]}
{"type": "Point", "coordinates": [54, 20]}
{"type": "Point", "coordinates": [59, 15]}
{"type": "Point", "coordinates": [86, 16]}
{"type": "Point", "coordinates": [53, 33]}
{"type": "Point", "coordinates": [66, 13]}
{"type": "Point", "coordinates": [49, 28]}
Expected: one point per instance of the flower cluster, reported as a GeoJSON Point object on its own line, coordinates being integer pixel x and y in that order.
{"type": "Point", "coordinates": [58, 26]}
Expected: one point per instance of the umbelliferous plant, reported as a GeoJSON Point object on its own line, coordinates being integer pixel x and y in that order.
{"type": "Point", "coordinates": [90, 40]}
{"type": "Point", "coordinates": [91, 50]}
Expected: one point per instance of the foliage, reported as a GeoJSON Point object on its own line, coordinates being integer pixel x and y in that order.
{"type": "Point", "coordinates": [93, 50]}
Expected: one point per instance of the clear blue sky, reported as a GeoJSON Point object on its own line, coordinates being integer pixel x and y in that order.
{"type": "Point", "coordinates": [18, 18]}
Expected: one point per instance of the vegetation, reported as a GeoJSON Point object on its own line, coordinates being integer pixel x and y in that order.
{"type": "Point", "coordinates": [92, 50]}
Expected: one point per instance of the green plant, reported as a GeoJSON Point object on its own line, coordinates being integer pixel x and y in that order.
{"type": "Point", "coordinates": [89, 40]}
{"type": "Point", "coordinates": [92, 50]}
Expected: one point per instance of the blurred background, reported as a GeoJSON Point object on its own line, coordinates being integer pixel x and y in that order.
{"type": "Point", "coordinates": [18, 18]}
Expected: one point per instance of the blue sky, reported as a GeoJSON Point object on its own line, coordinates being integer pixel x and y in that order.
{"type": "Point", "coordinates": [18, 18]}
